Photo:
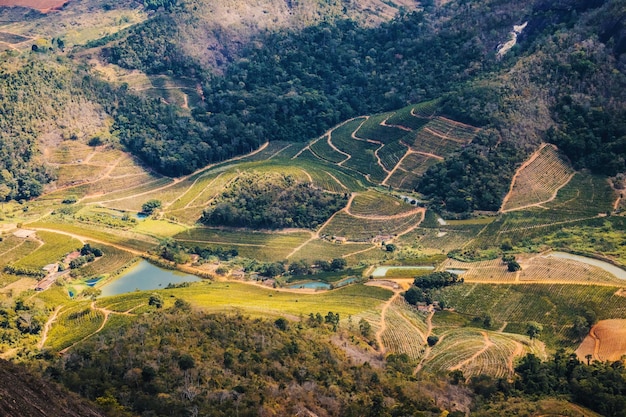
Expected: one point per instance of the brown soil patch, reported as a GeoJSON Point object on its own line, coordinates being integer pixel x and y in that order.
{"type": "Point", "coordinates": [621, 292]}
{"type": "Point", "coordinates": [43, 6]}
{"type": "Point", "coordinates": [606, 341]}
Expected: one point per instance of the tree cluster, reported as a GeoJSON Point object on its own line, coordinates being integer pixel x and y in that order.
{"type": "Point", "coordinates": [420, 291]}
{"type": "Point", "coordinates": [600, 386]}
{"type": "Point", "coordinates": [271, 201]}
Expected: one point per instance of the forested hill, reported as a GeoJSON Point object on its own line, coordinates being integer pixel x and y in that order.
{"type": "Point", "coordinates": [293, 85]}
{"type": "Point", "coordinates": [563, 82]}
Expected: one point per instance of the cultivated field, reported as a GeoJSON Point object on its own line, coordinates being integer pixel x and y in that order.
{"type": "Point", "coordinates": [360, 229]}
{"type": "Point", "coordinates": [54, 247]}
{"type": "Point", "coordinates": [538, 180]}
{"type": "Point", "coordinates": [479, 352]}
{"type": "Point", "coordinates": [535, 269]}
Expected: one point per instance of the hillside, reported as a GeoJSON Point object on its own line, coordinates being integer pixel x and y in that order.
{"type": "Point", "coordinates": [25, 395]}
{"type": "Point", "coordinates": [383, 208]}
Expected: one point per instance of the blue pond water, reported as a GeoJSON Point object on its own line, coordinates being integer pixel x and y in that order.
{"type": "Point", "coordinates": [71, 293]}
{"type": "Point", "coordinates": [92, 282]}
{"type": "Point", "coordinates": [145, 276]}
{"type": "Point", "coordinates": [319, 285]}
{"type": "Point", "coordinates": [315, 285]}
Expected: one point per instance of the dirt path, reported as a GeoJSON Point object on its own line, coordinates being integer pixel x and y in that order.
{"type": "Point", "coordinates": [383, 325]}
{"type": "Point", "coordinates": [377, 142]}
{"type": "Point", "coordinates": [617, 201]}
{"type": "Point", "coordinates": [519, 350]}
{"type": "Point", "coordinates": [15, 247]}
{"type": "Point", "coordinates": [415, 226]}
{"type": "Point", "coordinates": [336, 149]}
{"type": "Point", "coordinates": [501, 329]}
{"type": "Point", "coordinates": [427, 350]}
{"type": "Point", "coordinates": [201, 192]}
{"type": "Point", "coordinates": [421, 117]}
{"type": "Point", "coordinates": [327, 135]}
{"type": "Point", "coordinates": [375, 217]}
{"type": "Point", "coordinates": [596, 346]}
{"type": "Point", "coordinates": [347, 255]}
{"type": "Point", "coordinates": [46, 327]}
{"type": "Point", "coordinates": [384, 123]}
{"type": "Point", "coordinates": [106, 313]}
{"type": "Point", "coordinates": [534, 156]}
{"type": "Point", "coordinates": [393, 171]}
{"type": "Point", "coordinates": [540, 204]}
{"type": "Point", "coordinates": [104, 175]}
{"type": "Point", "coordinates": [337, 180]}
{"type": "Point", "coordinates": [309, 177]}
{"type": "Point", "coordinates": [487, 344]}
{"type": "Point", "coordinates": [82, 239]}
{"type": "Point", "coordinates": [316, 234]}
{"type": "Point", "coordinates": [279, 151]}
{"type": "Point", "coordinates": [414, 327]}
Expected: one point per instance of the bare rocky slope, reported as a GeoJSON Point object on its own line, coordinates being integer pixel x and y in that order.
{"type": "Point", "coordinates": [25, 395]}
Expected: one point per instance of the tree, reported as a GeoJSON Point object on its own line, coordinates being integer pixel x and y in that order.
{"type": "Point", "coordinates": [580, 327]}
{"type": "Point", "coordinates": [513, 266]}
{"type": "Point", "coordinates": [390, 247]}
{"type": "Point", "coordinates": [150, 206]}
{"type": "Point", "coordinates": [533, 329]}
{"type": "Point", "coordinates": [414, 295]}
{"type": "Point", "coordinates": [155, 300]}
{"type": "Point", "coordinates": [332, 319]}
{"type": "Point", "coordinates": [281, 323]}
{"type": "Point", "coordinates": [365, 328]}
{"type": "Point", "coordinates": [5, 191]}
{"type": "Point", "coordinates": [432, 340]}
{"type": "Point", "coordinates": [338, 264]}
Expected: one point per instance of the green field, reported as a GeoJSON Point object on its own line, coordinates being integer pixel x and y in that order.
{"type": "Point", "coordinates": [72, 325]}
{"type": "Point", "coordinates": [255, 245]}
{"type": "Point", "coordinates": [403, 117]}
{"type": "Point", "coordinates": [54, 248]}
{"type": "Point", "coordinates": [373, 130]}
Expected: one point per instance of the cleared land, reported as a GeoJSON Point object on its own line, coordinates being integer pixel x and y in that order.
{"type": "Point", "coordinates": [606, 341]}
{"type": "Point", "coordinates": [41, 5]}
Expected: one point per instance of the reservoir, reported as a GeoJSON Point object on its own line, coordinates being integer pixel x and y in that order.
{"type": "Point", "coordinates": [381, 271]}
{"type": "Point", "coordinates": [145, 276]}
{"type": "Point", "coordinates": [618, 272]}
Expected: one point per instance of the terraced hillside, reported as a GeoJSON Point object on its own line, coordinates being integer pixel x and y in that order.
{"type": "Point", "coordinates": [393, 149]}
{"type": "Point", "coordinates": [538, 179]}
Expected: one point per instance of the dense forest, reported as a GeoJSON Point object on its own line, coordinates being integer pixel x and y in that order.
{"type": "Point", "coordinates": [600, 386]}
{"type": "Point", "coordinates": [271, 201]}
{"type": "Point", "coordinates": [24, 116]}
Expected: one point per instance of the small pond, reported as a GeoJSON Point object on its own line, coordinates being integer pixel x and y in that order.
{"type": "Point", "coordinates": [618, 272]}
{"type": "Point", "coordinates": [92, 282]}
{"type": "Point", "coordinates": [456, 271]}
{"type": "Point", "coordinates": [145, 276]}
{"type": "Point", "coordinates": [315, 285]}
{"type": "Point", "coordinates": [321, 285]}
{"type": "Point", "coordinates": [381, 271]}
